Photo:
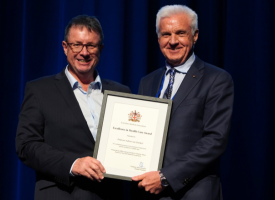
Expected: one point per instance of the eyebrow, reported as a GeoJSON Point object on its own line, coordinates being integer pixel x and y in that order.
{"type": "Point", "coordinates": [77, 42]}
{"type": "Point", "coordinates": [184, 31]}
{"type": "Point", "coordinates": [164, 32]}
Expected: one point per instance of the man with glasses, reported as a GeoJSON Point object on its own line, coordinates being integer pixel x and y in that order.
{"type": "Point", "coordinates": [59, 118]}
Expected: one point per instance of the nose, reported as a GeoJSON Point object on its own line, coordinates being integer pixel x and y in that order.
{"type": "Point", "coordinates": [84, 51]}
{"type": "Point", "coordinates": [173, 40]}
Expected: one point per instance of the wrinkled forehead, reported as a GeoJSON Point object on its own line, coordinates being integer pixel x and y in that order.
{"type": "Point", "coordinates": [175, 22]}
{"type": "Point", "coordinates": [182, 17]}
{"type": "Point", "coordinates": [83, 35]}
{"type": "Point", "coordinates": [80, 27]}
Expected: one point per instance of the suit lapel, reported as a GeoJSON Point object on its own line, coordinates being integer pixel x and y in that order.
{"type": "Point", "coordinates": [106, 85]}
{"type": "Point", "coordinates": [157, 81]}
{"type": "Point", "coordinates": [62, 83]}
{"type": "Point", "coordinates": [192, 77]}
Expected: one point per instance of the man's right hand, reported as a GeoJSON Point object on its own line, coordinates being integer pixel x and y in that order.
{"type": "Point", "coordinates": [89, 167]}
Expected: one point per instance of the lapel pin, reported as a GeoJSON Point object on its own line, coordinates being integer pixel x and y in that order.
{"type": "Point", "coordinates": [194, 76]}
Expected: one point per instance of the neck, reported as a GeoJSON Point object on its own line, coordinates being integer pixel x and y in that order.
{"type": "Point", "coordinates": [188, 56]}
{"type": "Point", "coordinates": [83, 79]}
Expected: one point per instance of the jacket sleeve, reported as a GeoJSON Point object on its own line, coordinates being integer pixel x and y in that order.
{"type": "Point", "coordinates": [30, 144]}
{"type": "Point", "coordinates": [216, 126]}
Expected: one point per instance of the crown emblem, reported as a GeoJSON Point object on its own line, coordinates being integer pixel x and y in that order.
{"type": "Point", "coordinates": [134, 116]}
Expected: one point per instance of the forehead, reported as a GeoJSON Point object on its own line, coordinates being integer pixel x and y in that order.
{"type": "Point", "coordinates": [81, 33]}
{"type": "Point", "coordinates": [180, 20]}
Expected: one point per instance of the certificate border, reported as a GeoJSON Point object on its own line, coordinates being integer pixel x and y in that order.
{"type": "Point", "coordinates": [132, 96]}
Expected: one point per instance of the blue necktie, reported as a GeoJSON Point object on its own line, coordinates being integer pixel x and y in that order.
{"type": "Point", "coordinates": [169, 89]}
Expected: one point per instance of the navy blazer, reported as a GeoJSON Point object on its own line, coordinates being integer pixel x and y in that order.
{"type": "Point", "coordinates": [198, 132]}
{"type": "Point", "coordinates": [52, 133]}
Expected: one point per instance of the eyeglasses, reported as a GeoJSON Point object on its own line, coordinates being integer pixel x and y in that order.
{"type": "Point", "coordinates": [76, 48]}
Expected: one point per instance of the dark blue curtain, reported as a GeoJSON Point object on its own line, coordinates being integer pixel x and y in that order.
{"type": "Point", "coordinates": [237, 35]}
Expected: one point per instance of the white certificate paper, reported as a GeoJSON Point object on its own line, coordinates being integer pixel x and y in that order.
{"type": "Point", "coordinates": [132, 134]}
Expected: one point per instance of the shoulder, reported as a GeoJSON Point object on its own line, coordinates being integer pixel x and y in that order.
{"type": "Point", "coordinates": [43, 79]}
{"type": "Point", "coordinates": [218, 74]}
{"type": "Point", "coordinates": [214, 69]}
{"type": "Point", "coordinates": [114, 86]}
{"type": "Point", "coordinates": [152, 75]}
{"type": "Point", "coordinates": [39, 89]}
{"type": "Point", "coordinates": [42, 82]}
{"type": "Point", "coordinates": [211, 71]}
{"type": "Point", "coordinates": [46, 84]}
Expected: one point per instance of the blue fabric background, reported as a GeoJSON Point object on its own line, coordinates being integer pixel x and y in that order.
{"type": "Point", "coordinates": [237, 35]}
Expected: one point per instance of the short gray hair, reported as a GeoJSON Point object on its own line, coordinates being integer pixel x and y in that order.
{"type": "Point", "coordinates": [167, 11]}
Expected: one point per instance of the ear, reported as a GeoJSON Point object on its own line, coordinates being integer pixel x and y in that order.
{"type": "Point", "coordinates": [101, 47]}
{"type": "Point", "coordinates": [65, 47]}
{"type": "Point", "coordinates": [158, 39]}
{"type": "Point", "coordinates": [196, 36]}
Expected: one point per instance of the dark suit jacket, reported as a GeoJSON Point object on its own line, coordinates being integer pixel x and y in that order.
{"type": "Point", "coordinates": [52, 133]}
{"type": "Point", "coordinates": [198, 132]}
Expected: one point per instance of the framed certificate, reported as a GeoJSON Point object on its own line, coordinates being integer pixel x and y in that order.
{"type": "Point", "coordinates": [131, 134]}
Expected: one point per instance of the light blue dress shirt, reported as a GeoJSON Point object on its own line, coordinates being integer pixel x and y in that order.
{"type": "Point", "coordinates": [178, 76]}
{"type": "Point", "coordinates": [90, 102]}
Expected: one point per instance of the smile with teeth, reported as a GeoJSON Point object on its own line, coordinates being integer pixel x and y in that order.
{"type": "Point", "coordinates": [174, 50]}
{"type": "Point", "coordinates": [84, 61]}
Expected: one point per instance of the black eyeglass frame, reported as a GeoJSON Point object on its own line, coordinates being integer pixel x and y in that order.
{"type": "Point", "coordinates": [94, 46]}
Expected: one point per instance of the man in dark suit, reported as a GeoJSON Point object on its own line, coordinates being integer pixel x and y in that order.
{"type": "Point", "coordinates": [59, 118]}
{"type": "Point", "coordinates": [199, 126]}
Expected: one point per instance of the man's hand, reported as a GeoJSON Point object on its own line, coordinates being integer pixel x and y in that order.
{"type": "Point", "coordinates": [89, 167]}
{"type": "Point", "coordinates": [150, 181]}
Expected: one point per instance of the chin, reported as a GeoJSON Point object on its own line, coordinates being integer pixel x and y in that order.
{"type": "Point", "coordinates": [82, 70]}
{"type": "Point", "coordinates": [85, 70]}
{"type": "Point", "coordinates": [174, 61]}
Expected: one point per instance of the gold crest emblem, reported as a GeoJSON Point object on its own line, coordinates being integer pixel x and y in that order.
{"type": "Point", "coordinates": [134, 116]}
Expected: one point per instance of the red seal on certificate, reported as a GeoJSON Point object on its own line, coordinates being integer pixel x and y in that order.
{"type": "Point", "coordinates": [134, 116]}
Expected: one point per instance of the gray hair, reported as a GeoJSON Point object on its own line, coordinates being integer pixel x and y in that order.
{"type": "Point", "coordinates": [91, 23]}
{"type": "Point", "coordinates": [167, 11]}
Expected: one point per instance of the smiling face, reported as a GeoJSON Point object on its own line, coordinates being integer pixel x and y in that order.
{"type": "Point", "coordinates": [175, 38]}
{"type": "Point", "coordinates": [84, 62]}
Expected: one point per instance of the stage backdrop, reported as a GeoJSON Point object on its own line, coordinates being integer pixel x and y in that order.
{"type": "Point", "coordinates": [237, 35]}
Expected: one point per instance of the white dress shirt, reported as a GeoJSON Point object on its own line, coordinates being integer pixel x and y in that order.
{"type": "Point", "coordinates": [183, 68]}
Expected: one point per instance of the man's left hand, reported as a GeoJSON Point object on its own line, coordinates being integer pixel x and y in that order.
{"type": "Point", "coordinates": [150, 181]}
